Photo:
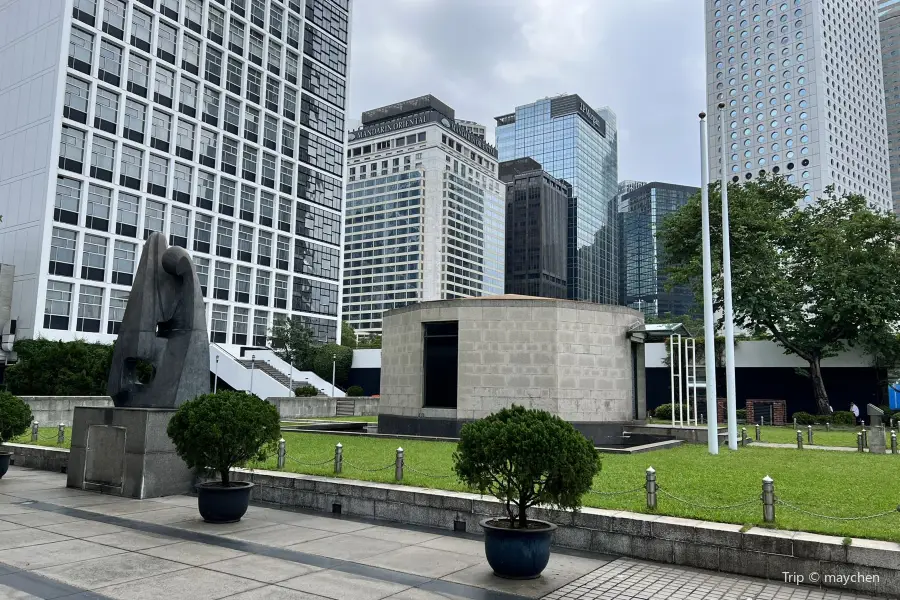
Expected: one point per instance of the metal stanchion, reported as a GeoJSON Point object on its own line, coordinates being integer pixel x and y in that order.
{"type": "Point", "coordinates": [758, 438]}
{"type": "Point", "coordinates": [338, 458]}
{"type": "Point", "coordinates": [827, 426]}
{"type": "Point", "coordinates": [768, 499]}
{"type": "Point", "coordinates": [744, 436]}
{"type": "Point", "coordinates": [651, 488]}
{"type": "Point", "coordinates": [799, 440]}
{"type": "Point", "coordinates": [809, 434]}
{"type": "Point", "coordinates": [34, 431]}
{"type": "Point", "coordinates": [281, 454]}
{"type": "Point", "coordinates": [398, 466]}
{"type": "Point", "coordinates": [859, 441]}
{"type": "Point", "coordinates": [61, 434]}
{"type": "Point", "coordinates": [893, 442]}
{"type": "Point", "coordinates": [865, 438]}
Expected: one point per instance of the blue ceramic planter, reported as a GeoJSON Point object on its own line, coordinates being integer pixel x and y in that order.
{"type": "Point", "coordinates": [4, 462]}
{"type": "Point", "coordinates": [517, 553]}
{"type": "Point", "coordinates": [220, 504]}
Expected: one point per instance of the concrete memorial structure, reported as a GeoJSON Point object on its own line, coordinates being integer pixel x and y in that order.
{"type": "Point", "coordinates": [450, 361]}
{"type": "Point", "coordinates": [160, 361]}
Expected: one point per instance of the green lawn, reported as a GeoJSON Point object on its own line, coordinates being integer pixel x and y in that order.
{"type": "Point", "coordinates": [291, 423]}
{"type": "Point", "coordinates": [46, 437]}
{"type": "Point", "coordinates": [836, 483]}
{"type": "Point", "coordinates": [845, 436]}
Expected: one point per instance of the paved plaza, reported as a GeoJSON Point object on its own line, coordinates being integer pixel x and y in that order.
{"type": "Point", "coordinates": [62, 543]}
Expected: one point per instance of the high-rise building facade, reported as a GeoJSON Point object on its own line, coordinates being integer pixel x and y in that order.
{"type": "Point", "coordinates": [802, 85]}
{"type": "Point", "coordinates": [537, 206]}
{"type": "Point", "coordinates": [572, 141]}
{"type": "Point", "coordinates": [889, 25]}
{"type": "Point", "coordinates": [424, 212]}
{"type": "Point", "coordinates": [472, 127]}
{"type": "Point", "coordinates": [218, 123]}
{"type": "Point", "coordinates": [642, 210]}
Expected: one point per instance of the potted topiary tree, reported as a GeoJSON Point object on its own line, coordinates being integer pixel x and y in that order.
{"type": "Point", "coordinates": [15, 417]}
{"type": "Point", "coordinates": [524, 458]}
{"type": "Point", "coordinates": [216, 432]}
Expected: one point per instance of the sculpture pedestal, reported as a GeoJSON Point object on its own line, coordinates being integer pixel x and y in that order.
{"type": "Point", "coordinates": [126, 452]}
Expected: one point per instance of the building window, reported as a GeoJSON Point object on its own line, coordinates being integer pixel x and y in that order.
{"type": "Point", "coordinates": [124, 255]}
{"type": "Point", "coordinates": [157, 176]}
{"type": "Point", "coordinates": [93, 258]}
{"type": "Point", "coordinates": [114, 18]}
{"type": "Point", "coordinates": [260, 328]}
{"type": "Point", "coordinates": [236, 37]}
{"type": "Point", "coordinates": [256, 47]}
{"type": "Point", "coordinates": [62, 252]}
{"type": "Point", "coordinates": [322, 83]}
{"type": "Point", "coordinates": [219, 328]}
{"type": "Point", "coordinates": [210, 106]}
{"type": "Point", "coordinates": [314, 296]}
{"type": "Point", "coordinates": [90, 307]}
{"type": "Point", "coordinates": [164, 91]}
{"type": "Point", "coordinates": [270, 132]}
{"type": "Point", "coordinates": [274, 58]}
{"type": "Point", "coordinates": [213, 71]}
{"type": "Point", "coordinates": [81, 50]}
{"type": "Point", "coordinates": [160, 130]}
{"type": "Point", "coordinates": [238, 6]}
{"type": "Point", "coordinates": [281, 291]}
{"type": "Point", "coordinates": [245, 244]}
{"type": "Point", "coordinates": [254, 84]}
{"type": "Point", "coordinates": [266, 208]}
{"type": "Point", "coordinates": [290, 103]}
{"type": "Point", "coordinates": [193, 15]}
{"type": "Point", "coordinates": [291, 67]}
{"type": "Point", "coordinates": [187, 103]}
{"type": "Point", "coordinates": [118, 301]}
{"type": "Point", "coordinates": [320, 117]}
{"type": "Point", "coordinates": [202, 233]}
{"type": "Point", "coordinates": [215, 26]}
{"type": "Point", "coordinates": [57, 305]}
{"type": "Point", "coordinates": [202, 265]}
{"type": "Point", "coordinates": [184, 140]}
{"type": "Point", "coordinates": [224, 238]}
{"type": "Point", "coordinates": [322, 49]}
{"type": "Point", "coordinates": [268, 170]}
{"type": "Point", "coordinates": [190, 55]}
{"type": "Point", "coordinates": [287, 139]}
{"type": "Point", "coordinates": [227, 191]}
{"type": "Point", "coordinates": [207, 148]}
{"type": "Point", "coordinates": [262, 288]}
{"type": "Point", "coordinates": [232, 115]}
{"type": "Point", "coordinates": [103, 152]}
{"type": "Point", "coordinates": [180, 227]}
{"type": "Point", "coordinates": [75, 104]}
{"type": "Point", "coordinates": [135, 121]}
{"type": "Point", "coordinates": [181, 183]}
{"type": "Point", "coordinates": [99, 205]}
{"type": "Point", "coordinates": [248, 202]}
{"type": "Point", "coordinates": [154, 217]}
{"type": "Point", "coordinates": [293, 31]}
{"type": "Point", "coordinates": [138, 75]}
{"type": "Point", "coordinates": [276, 21]}
{"type": "Point", "coordinates": [71, 149]}
{"type": "Point", "coordinates": [251, 124]}
{"type": "Point", "coordinates": [68, 199]}
{"type": "Point", "coordinates": [222, 281]}
{"type": "Point", "coordinates": [258, 12]}
{"type": "Point", "coordinates": [234, 76]}
{"type": "Point", "coordinates": [127, 210]}
{"type": "Point", "coordinates": [272, 94]}
{"type": "Point", "coordinates": [206, 183]}
{"type": "Point", "coordinates": [242, 285]}
{"type": "Point", "coordinates": [248, 166]}
{"type": "Point", "coordinates": [167, 43]}
{"type": "Point", "coordinates": [229, 155]}
{"type": "Point", "coordinates": [239, 327]}
{"type": "Point", "coordinates": [141, 30]}
{"type": "Point", "coordinates": [106, 110]}
{"type": "Point", "coordinates": [283, 254]}
{"type": "Point", "coordinates": [287, 177]}
{"type": "Point", "coordinates": [264, 249]}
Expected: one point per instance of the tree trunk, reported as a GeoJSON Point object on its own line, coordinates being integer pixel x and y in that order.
{"type": "Point", "coordinates": [815, 373]}
{"type": "Point", "coordinates": [225, 479]}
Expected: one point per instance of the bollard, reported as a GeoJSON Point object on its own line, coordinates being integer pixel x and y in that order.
{"type": "Point", "coordinates": [757, 433]}
{"type": "Point", "coordinates": [859, 441]}
{"type": "Point", "coordinates": [398, 465]}
{"type": "Point", "coordinates": [34, 431]}
{"type": "Point", "coordinates": [799, 440]}
{"type": "Point", "coordinates": [762, 421]}
{"type": "Point", "coordinates": [743, 436]}
{"type": "Point", "coordinates": [827, 426]}
{"type": "Point", "coordinates": [338, 458]}
{"type": "Point", "coordinates": [865, 438]}
{"type": "Point", "coordinates": [61, 434]}
{"type": "Point", "coordinates": [768, 499]}
{"type": "Point", "coordinates": [893, 442]}
{"type": "Point", "coordinates": [795, 422]}
{"type": "Point", "coordinates": [651, 488]}
{"type": "Point", "coordinates": [809, 434]}
{"type": "Point", "coordinates": [281, 454]}
{"type": "Point", "coordinates": [892, 419]}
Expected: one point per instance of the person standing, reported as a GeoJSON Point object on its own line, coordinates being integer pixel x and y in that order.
{"type": "Point", "coordinates": [855, 410]}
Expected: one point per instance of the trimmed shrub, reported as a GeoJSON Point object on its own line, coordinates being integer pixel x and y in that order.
{"type": "Point", "coordinates": [355, 391]}
{"type": "Point", "coordinates": [741, 414]}
{"type": "Point", "coordinates": [804, 418]}
{"type": "Point", "coordinates": [526, 457]}
{"type": "Point", "coordinates": [843, 417]}
{"type": "Point", "coordinates": [664, 411]}
{"type": "Point", "coordinates": [15, 417]}
{"type": "Point", "coordinates": [216, 432]}
{"type": "Point", "coordinates": [51, 368]}
{"type": "Point", "coordinates": [323, 358]}
{"type": "Point", "coordinates": [307, 390]}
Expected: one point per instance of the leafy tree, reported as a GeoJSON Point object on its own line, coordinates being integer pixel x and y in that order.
{"type": "Point", "coordinates": [223, 430]}
{"type": "Point", "coordinates": [53, 368]}
{"type": "Point", "coordinates": [15, 417]}
{"type": "Point", "coordinates": [307, 390]}
{"type": "Point", "coordinates": [525, 457]}
{"type": "Point", "coordinates": [293, 342]}
{"type": "Point", "coordinates": [815, 279]}
{"type": "Point", "coordinates": [348, 335]}
{"type": "Point", "coordinates": [372, 340]}
{"type": "Point", "coordinates": [322, 360]}
{"type": "Point", "coordinates": [355, 391]}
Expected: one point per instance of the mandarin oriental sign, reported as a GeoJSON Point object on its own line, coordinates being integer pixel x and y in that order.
{"type": "Point", "coordinates": [423, 118]}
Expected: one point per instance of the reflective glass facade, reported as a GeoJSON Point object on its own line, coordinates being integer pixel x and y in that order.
{"type": "Point", "coordinates": [573, 142]}
{"type": "Point", "coordinates": [642, 262]}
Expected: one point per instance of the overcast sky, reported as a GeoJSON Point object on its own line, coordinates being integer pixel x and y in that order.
{"type": "Point", "coordinates": [643, 58]}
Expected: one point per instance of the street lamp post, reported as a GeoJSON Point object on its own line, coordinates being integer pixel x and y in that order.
{"type": "Point", "coordinates": [216, 382]}
{"type": "Point", "coordinates": [333, 371]}
{"type": "Point", "coordinates": [731, 394]}
{"type": "Point", "coordinates": [252, 368]}
{"type": "Point", "coordinates": [708, 323]}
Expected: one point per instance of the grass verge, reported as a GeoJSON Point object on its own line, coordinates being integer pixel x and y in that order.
{"type": "Point", "coordinates": [292, 422]}
{"type": "Point", "coordinates": [46, 437]}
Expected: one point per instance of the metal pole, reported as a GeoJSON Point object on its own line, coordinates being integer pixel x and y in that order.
{"type": "Point", "coordinates": [757, 433]}
{"type": "Point", "coordinates": [893, 442]}
{"type": "Point", "coordinates": [338, 458]}
{"type": "Point", "coordinates": [768, 499]}
{"type": "Point", "coordinates": [34, 431]}
{"type": "Point", "coordinates": [281, 454]}
{"type": "Point", "coordinates": [680, 385]}
{"type": "Point", "coordinates": [61, 434]}
{"type": "Point", "coordinates": [252, 368]}
{"type": "Point", "coordinates": [799, 440]}
{"type": "Point", "coordinates": [809, 434]}
{"type": "Point", "coordinates": [731, 394]}
{"type": "Point", "coordinates": [859, 441]}
{"type": "Point", "coordinates": [398, 465]}
{"type": "Point", "coordinates": [744, 437]}
{"type": "Point", "coordinates": [865, 438]}
{"type": "Point", "coordinates": [827, 426]}
{"type": "Point", "coordinates": [708, 318]}
{"type": "Point", "coordinates": [291, 379]}
{"type": "Point", "coordinates": [795, 422]}
{"type": "Point", "coordinates": [333, 371]}
{"type": "Point", "coordinates": [672, 375]}
{"type": "Point", "coordinates": [651, 488]}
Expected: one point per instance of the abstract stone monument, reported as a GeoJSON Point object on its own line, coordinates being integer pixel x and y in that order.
{"type": "Point", "coordinates": [160, 361]}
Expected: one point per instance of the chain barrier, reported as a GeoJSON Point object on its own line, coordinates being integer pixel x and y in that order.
{"type": "Point", "coordinates": [833, 518]}
{"type": "Point", "coordinates": [308, 464]}
{"type": "Point", "coordinates": [705, 506]}
{"type": "Point", "coordinates": [409, 468]}
{"type": "Point", "coordinates": [619, 493]}
{"type": "Point", "coordinates": [385, 468]}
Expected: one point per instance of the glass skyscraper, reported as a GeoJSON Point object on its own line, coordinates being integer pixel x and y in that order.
{"type": "Point", "coordinates": [572, 141]}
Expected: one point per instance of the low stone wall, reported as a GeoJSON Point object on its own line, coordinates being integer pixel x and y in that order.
{"type": "Point", "coordinates": [365, 406]}
{"type": "Point", "coordinates": [39, 457]}
{"type": "Point", "coordinates": [50, 411]}
{"type": "Point", "coordinates": [308, 407]}
{"type": "Point", "coordinates": [864, 565]}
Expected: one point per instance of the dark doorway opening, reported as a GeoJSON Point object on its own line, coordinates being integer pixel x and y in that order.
{"type": "Point", "coordinates": [441, 363]}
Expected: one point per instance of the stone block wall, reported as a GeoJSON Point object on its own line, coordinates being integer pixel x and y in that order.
{"type": "Point", "coordinates": [50, 411]}
{"type": "Point", "coordinates": [779, 411]}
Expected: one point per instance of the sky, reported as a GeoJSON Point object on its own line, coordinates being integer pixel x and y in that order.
{"type": "Point", "coordinates": [643, 58]}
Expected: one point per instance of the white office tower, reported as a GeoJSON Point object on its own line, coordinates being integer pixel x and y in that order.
{"type": "Point", "coordinates": [219, 123]}
{"type": "Point", "coordinates": [802, 83]}
{"type": "Point", "coordinates": [425, 212]}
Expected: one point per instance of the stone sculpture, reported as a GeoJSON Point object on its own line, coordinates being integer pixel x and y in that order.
{"type": "Point", "coordinates": [161, 356]}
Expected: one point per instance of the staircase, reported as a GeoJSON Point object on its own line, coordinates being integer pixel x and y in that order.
{"type": "Point", "coordinates": [344, 408]}
{"type": "Point", "coordinates": [273, 373]}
